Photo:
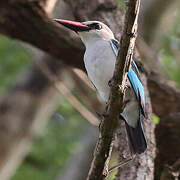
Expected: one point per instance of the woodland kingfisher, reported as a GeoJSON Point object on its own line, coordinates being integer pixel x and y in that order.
{"type": "Point", "coordinates": [99, 58]}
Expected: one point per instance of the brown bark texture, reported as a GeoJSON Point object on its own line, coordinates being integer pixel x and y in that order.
{"type": "Point", "coordinates": [26, 20]}
{"type": "Point", "coordinates": [142, 167]}
{"type": "Point", "coordinates": [167, 132]}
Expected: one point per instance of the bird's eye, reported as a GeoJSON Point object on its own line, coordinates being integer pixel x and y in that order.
{"type": "Point", "coordinates": [95, 26]}
{"type": "Point", "coordinates": [98, 26]}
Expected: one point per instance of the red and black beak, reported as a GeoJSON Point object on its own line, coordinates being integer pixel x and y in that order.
{"type": "Point", "coordinates": [75, 26]}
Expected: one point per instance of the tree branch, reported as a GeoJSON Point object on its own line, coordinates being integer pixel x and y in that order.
{"type": "Point", "coordinates": [142, 167]}
{"type": "Point", "coordinates": [66, 93]}
{"type": "Point", "coordinates": [99, 167]}
{"type": "Point", "coordinates": [168, 149]}
{"type": "Point", "coordinates": [171, 172]}
{"type": "Point", "coordinates": [28, 21]}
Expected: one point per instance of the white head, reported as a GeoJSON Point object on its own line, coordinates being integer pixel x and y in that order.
{"type": "Point", "coordinates": [88, 30]}
{"type": "Point", "coordinates": [98, 30]}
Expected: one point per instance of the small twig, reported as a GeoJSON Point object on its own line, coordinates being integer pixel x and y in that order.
{"type": "Point", "coordinates": [76, 104]}
{"type": "Point", "coordinates": [121, 164]}
{"type": "Point", "coordinates": [99, 166]}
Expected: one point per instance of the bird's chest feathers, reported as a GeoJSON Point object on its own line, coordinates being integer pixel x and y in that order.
{"type": "Point", "coordinates": [99, 62]}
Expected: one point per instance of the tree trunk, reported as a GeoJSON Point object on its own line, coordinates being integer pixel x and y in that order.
{"type": "Point", "coordinates": [168, 133]}
{"type": "Point", "coordinates": [142, 167]}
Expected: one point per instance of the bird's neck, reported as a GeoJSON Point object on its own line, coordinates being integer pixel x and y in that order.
{"type": "Point", "coordinates": [92, 42]}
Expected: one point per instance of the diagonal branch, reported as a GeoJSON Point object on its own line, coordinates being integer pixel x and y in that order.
{"type": "Point", "coordinates": [61, 87]}
{"type": "Point", "coordinates": [99, 167]}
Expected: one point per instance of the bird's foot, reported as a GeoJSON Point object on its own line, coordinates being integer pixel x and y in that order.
{"type": "Point", "coordinates": [120, 87]}
{"type": "Point", "coordinates": [123, 88]}
{"type": "Point", "coordinates": [127, 86]}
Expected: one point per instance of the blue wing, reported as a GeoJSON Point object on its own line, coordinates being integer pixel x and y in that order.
{"type": "Point", "coordinates": [136, 134]}
{"type": "Point", "coordinates": [133, 78]}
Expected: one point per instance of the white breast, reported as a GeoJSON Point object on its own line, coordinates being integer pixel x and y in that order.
{"type": "Point", "coordinates": [99, 61]}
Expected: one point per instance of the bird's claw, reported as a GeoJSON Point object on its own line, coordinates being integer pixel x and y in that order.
{"type": "Point", "coordinates": [122, 89]}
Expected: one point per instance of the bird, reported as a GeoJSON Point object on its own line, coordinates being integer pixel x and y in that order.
{"type": "Point", "coordinates": [99, 59]}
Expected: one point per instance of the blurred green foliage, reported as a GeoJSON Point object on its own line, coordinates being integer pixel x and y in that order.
{"type": "Point", "coordinates": [113, 162]}
{"type": "Point", "coordinates": [50, 152]}
{"type": "Point", "coordinates": [60, 140]}
{"type": "Point", "coordinates": [121, 4]}
{"type": "Point", "coordinates": [170, 51]}
{"type": "Point", "coordinates": [14, 59]}
{"type": "Point", "coordinates": [156, 119]}
{"type": "Point", "coordinates": [171, 65]}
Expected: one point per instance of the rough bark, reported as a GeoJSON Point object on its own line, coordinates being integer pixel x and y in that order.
{"type": "Point", "coordinates": [27, 21]}
{"type": "Point", "coordinates": [167, 133]}
{"type": "Point", "coordinates": [167, 100]}
{"type": "Point", "coordinates": [168, 110]}
{"type": "Point", "coordinates": [171, 172]}
{"type": "Point", "coordinates": [143, 166]}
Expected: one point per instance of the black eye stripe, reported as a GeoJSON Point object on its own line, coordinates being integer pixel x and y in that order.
{"type": "Point", "coordinates": [95, 26]}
